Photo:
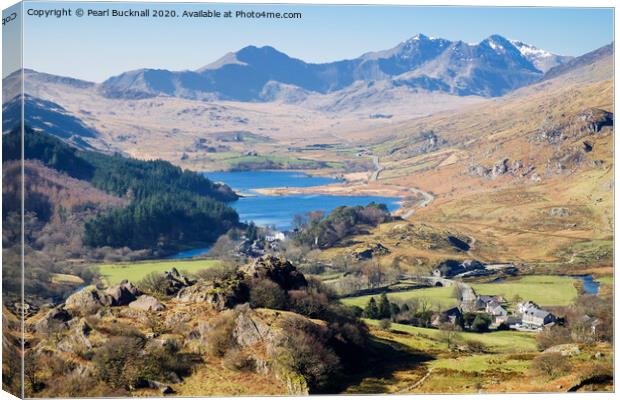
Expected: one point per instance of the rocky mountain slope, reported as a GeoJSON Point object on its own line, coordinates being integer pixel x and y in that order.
{"type": "Point", "coordinates": [499, 170]}
{"type": "Point", "coordinates": [44, 115]}
{"type": "Point", "coordinates": [421, 62]}
{"type": "Point", "coordinates": [541, 59]}
{"type": "Point", "coordinates": [185, 326]}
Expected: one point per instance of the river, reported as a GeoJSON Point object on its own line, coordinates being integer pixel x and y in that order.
{"type": "Point", "coordinates": [590, 286]}
{"type": "Point", "coordinates": [278, 211]}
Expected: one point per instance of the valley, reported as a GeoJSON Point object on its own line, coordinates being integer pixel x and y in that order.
{"type": "Point", "coordinates": [409, 221]}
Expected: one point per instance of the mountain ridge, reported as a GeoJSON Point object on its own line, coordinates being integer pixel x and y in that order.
{"type": "Point", "coordinates": [421, 62]}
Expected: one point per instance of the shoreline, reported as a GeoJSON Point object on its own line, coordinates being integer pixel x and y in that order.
{"type": "Point", "coordinates": [337, 190]}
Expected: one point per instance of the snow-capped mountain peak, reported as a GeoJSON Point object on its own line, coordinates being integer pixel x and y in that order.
{"type": "Point", "coordinates": [542, 59]}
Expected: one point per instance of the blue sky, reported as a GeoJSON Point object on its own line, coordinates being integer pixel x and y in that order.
{"type": "Point", "coordinates": [97, 48]}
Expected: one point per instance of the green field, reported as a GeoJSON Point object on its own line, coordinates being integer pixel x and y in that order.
{"type": "Point", "coordinates": [67, 279]}
{"type": "Point", "coordinates": [442, 297]}
{"type": "Point", "coordinates": [605, 280]}
{"type": "Point", "coordinates": [233, 159]}
{"type": "Point", "coordinates": [545, 290]}
{"type": "Point", "coordinates": [427, 338]}
{"type": "Point", "coordinates": [482, 363]}
{"type": "Point", "coordinates": [135, 271]}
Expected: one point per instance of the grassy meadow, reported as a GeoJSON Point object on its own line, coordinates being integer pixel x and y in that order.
{"type": "Point", "coordinates": [428, 338]}
{"type": "Point", "coordinates": [135, 271]}
{"type": "Point", "coordinates": [545, 290]}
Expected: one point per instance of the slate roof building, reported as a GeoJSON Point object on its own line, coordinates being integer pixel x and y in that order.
{"type": "Point", "coordinates": [537, 318]}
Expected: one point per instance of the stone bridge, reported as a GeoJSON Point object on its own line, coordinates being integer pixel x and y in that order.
{"type": "Point", "coordinates": [430, 280]}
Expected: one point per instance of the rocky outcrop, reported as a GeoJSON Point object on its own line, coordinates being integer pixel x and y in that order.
{"type": "Point", "coordinates": [568, 349]}
{"type": "Point", "coordinates": [147, 303]}
{"type": "Point", "coordinates": [221, 293]}
{"type": "Point", "coordinates": [226, 293]}
{"type": "Point", "coordinates": [559, 212]}
{"type": "Point", "coordinates": [55, 319]}
{"type": "Point", "coordinates": [500, 168]}
{"type": "Point", "coordinates": [278, 270]}
{"type": "Point", "coordinates": [122, 294]}
{"type": "Point", "coordinates": [176, 281]}
{"type": "Point", "coordinates": [369, 252]}
{"type": "Point", "coordinates": [153, 384]}
{"type": "Point", "coordinates": [220, 299]}
{"type": "Point", "coordinates": [87, 301]}
{"type": "Point", "coordinates": [264, 333]}
{"type": "Point", "coordinates": [76, 340]}
{"type": "Point", "coordinates": [587, 122]}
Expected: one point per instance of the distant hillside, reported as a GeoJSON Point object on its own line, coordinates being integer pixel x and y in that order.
{"type": "Point", "coordinates": [43, 115]}
{"type": "Point", "coordinates": [53, 195]}
{"type": "Point", "coordinates": [167, 206]}
{"type": "Point", "coordinates": [581, 61]}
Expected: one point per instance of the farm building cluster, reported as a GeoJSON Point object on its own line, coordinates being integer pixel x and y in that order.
{"type": "Point", "coordinates": [527, 316]}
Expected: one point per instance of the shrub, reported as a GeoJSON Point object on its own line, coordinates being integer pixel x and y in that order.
{"type": "Point", "coordinates": [475, 346]}
{"type": "Point", "coordinates": [219, 335]}
{"type": "Point", "coordinates": [385, 324]}
{"type": "Point", "coordinates": [267, 294]}
{"type": "Point", "coordinates": [160, 363]}
{"type": "Point", "coordinates": [123, 362]}
{"type": "Point", "coordinates": [154, 283]}
{"type": "Point", "coordinates": [120, 329]}
{"type": "Point", "coordinates": [481, 323]}
{"type": "Point", "coordinates": [217, 272]}
{"type": "Point", "coordinates": [313, 305]}
{"type": "Point", "coordinates": [315, 285]}
{"type": "Point", "coordinates": [116, 361]}
{"type": "Point", "coordinates": [237, 360]}
{"type": "Point", "coordinates": [468, 318]}
{"type": "Point", "coordinates": [356, 311]}
{"type": "Point", "coordinates": [76, 386]}
{"type": "Point", "coordinates": [448, 335]}
{"type": "Point", "coordinates": [31, 372]}
{"type": "Point", "coordinates": [550, 365]}
{"type": "Point", "coordinates": [156, 324]}
{"type": "Point", "coordinates": [552, 337]}
{"type": "Point", "coordinates": [312, 268]}
{"type": "Point", "coordinates": [305, 352]}
{"type": "Point", "coordinates": [503, 327]}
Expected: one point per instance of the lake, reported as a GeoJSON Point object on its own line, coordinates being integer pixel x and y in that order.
{"type": "Point", "coordinates": [279, 211]}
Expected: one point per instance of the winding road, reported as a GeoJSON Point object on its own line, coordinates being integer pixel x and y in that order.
{"type": "Point", "coordinates": [378, 169]}
{"type": "Point", "coordinates": [426, 200]}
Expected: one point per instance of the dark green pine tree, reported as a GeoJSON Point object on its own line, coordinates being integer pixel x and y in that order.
{"type": "Point", "coordinates": [395, 308]}
{"type": "Point", "coordinates": [371, 311]}
{"type": "Point", "coordinates": [385, 309]}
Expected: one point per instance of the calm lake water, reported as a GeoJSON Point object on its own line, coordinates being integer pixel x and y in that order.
{"type": "Point", "coordinates": [279, 211]}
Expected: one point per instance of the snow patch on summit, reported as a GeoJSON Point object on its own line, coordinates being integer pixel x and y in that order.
{"type": "Point", "coordinates": [542, 59]}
